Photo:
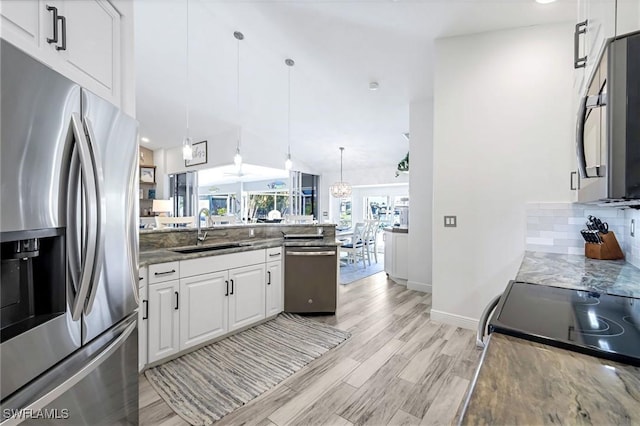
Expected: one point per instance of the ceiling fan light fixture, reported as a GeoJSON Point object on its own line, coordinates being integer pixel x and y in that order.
{"type": "Point", "coordinates": [340, 189]}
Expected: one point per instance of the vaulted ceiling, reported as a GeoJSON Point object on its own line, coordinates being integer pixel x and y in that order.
{"type": "Point", "coordinates": [339, 46]}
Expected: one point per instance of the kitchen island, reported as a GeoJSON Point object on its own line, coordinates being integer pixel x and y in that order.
{"type": "Point", "coordinates": [523, 382]}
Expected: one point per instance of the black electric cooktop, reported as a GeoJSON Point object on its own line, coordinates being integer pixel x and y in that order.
{"type": "Point", "coordinates": [597, 324]}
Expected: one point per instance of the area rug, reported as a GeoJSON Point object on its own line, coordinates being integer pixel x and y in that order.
{"type": "Point", "coordinates": [349, 273]}
{"type": "Point", "coordinates": [205, 385]}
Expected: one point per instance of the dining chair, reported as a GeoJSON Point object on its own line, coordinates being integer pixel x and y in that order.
{"type": "Point", "coordinates": [356, 248]}
{"type": "Point", "coordinates": [371, 240]}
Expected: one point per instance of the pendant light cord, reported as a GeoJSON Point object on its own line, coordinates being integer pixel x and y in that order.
{"type": "Point", "coordinates": [238, 92]}
{"type": "Point", "coordinates": [187, 70]}
{"type": "Point", "coordinates": [341, 152]}
{"type": "Point", "coordinates": [289, 118]}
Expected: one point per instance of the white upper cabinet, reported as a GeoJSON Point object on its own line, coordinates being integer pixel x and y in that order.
{"type": "Point", "coordinates": [93, 44]}
{"type": "Point", "coordinates": [21, 23]}
{"type": "Point", "coordinates": [628, 16]}
{"type": "Point", "coordinates": [79, 39]}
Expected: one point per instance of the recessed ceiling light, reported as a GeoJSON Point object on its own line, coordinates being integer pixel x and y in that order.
{"type": "Point", "coordinates": [144, 139]}
{"type": "Point", "coordinates": [545, 1]}
{"type": "Point", "coordinates": [374, 85]}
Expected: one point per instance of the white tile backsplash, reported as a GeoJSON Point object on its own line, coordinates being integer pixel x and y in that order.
{"type": "Point", "coordinates": [555, 228]}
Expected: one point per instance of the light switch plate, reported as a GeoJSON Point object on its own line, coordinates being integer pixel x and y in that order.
{"type": "Point", "coordinates": [450, 221]}
{"type": "Point", "coordinates": [252, 232]}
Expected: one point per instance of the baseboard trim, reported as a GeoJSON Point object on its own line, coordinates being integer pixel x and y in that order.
{"type": "Point", "coordinates": [453, 319]}
{"type": "Point", "coordinates": [414, 285]}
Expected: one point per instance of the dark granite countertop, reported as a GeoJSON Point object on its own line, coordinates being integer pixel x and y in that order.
{"type": "Point", "coordinates": [523, 382]}
{"type": "Point", "coordinates": [150, 257]}
{"type": "Point", "coordinates": [573, 271]}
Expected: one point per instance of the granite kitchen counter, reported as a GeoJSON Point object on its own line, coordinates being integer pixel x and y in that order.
{"type": "Point", "coordinates": [574, 271]}
{"type": "Point", "coordinates": [150, 257]}
{"type": "Point", "coordinates": [522, 382]}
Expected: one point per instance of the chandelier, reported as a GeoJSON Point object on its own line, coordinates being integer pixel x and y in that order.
{"type": "Point", "coordinates": [340, 189]}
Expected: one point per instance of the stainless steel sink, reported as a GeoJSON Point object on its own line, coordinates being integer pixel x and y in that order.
{"type": "Point", "coordinates": [187, 250]}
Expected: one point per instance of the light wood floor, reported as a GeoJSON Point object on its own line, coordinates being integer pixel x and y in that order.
{"type": "Point", "coordinates": [398, 368]}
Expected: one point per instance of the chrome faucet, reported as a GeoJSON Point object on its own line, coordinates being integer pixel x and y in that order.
{"type": "Point", "coordinates": [201, 237]}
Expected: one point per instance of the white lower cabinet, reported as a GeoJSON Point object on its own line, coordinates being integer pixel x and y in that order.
{"type": "Point", "coordinates": [164, 317]}
{"type": "Point", "coordinates": [275, 295]}
{"type": "Point", "coordinates": [396, 254]}
{"type": "Point", "coordinates": [206, 302]}
{"type": "Point", "coordinates": [246, 296]}
{"type": "Point", "coordinates": [143, 319]}
{"type": "Point", "coordinates": [203, 308]}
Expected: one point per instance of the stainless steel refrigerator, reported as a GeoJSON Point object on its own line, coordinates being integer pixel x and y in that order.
{"type": "Point", "coordinates": [68, 231]}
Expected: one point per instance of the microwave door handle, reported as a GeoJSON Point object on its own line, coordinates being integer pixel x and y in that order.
{"type": "Point", "coordinates": [582, 116]}
{"type": "Point", "coordinates": [100, 215]}
{"type": "Point", "coordinates": [90, 225]}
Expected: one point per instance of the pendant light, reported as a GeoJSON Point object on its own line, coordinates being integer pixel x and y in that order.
{"type": "Point", "coordinates": [187, 143]}
{"type": "Point", "coordinates": [237, 159]}
{"type": "Point", "coordinates": [288, 164]}
{"type": "Point", "coordinates": [340, 189]}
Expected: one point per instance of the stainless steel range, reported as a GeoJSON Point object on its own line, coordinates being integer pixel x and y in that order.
{"type": "Point", "coordinates": [598, 324]}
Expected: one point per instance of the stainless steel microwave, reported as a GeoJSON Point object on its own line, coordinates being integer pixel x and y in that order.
{"type": "Point", "coordinates": [608, 130]}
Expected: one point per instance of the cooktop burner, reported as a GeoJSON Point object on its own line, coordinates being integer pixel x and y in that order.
{"type": "Point", "coordinates": [594, 323]}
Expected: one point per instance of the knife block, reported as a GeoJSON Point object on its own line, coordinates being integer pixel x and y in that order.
{"type": "Point", "coordinates": [608, 250]}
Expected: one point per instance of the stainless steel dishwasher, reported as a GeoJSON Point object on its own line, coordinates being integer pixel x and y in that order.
{"type": "Point", "coordinates": [310, 279]}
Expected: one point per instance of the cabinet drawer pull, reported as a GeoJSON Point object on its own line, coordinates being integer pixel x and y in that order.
{"type": "Point", "coordinates": [64, 33]}
{"type": "Point", "coordinates": [269, 280]}
{"type": "Point", "coordinates": [274, 254]}
{"type": "Point", "coordinates": [157, 274]}
{"type": "Point", "coordinates": [177, 300]}
{"type": "Point", "coordinates": [140, 278]}
{"type": "Point", "coordinates": [231, 287]}
{"type": "Point", "coordinates": [579, 62]}
{"type": "Point", "coordinates": [227, 283]}
{"type": "Point", "coordinates": [53, 39]}
{"type": "Point", "coordinates": [146, 310]}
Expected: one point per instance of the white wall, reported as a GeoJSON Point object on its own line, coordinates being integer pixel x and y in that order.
{"type": "Point", "coordinates": [420, 195]}
{"type": "Point", "coordinates": [503, 136]}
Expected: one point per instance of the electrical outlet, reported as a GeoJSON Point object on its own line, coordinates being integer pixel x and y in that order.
{"type": "Point", "coordinates": [450, 221]}
{"type": "Point", "coordinates": [252, 232]}
{"type": "Point", "coordinates": [633, 227]}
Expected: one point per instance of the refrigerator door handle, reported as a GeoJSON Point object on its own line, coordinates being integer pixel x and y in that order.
{"type": "Point", "coordinates": [132, 237]}
{"type": "Point", "coordinates": [74, 261]}
{"type": "Point", "coordinates": [63, 387]}
{"type": "Point", "coordinates": [100, 211]}
{"type": "Point", "coordinates": [91, 226]}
